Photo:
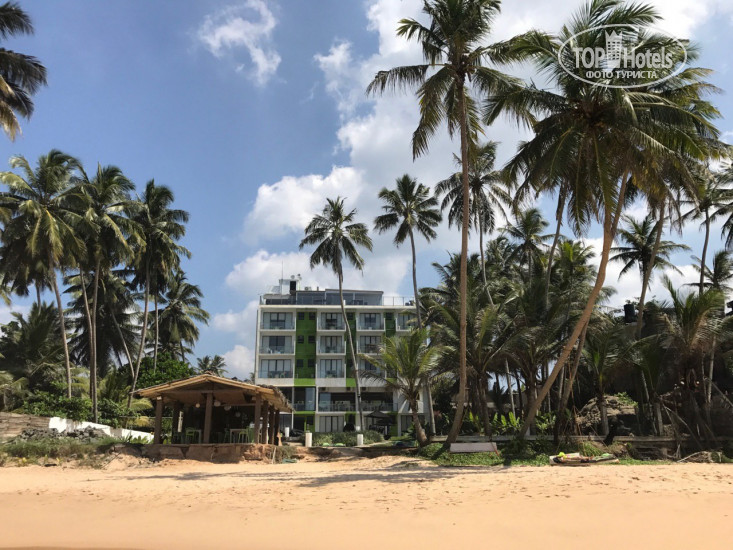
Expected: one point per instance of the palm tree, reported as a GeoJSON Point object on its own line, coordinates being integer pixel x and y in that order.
{"type": "Point", "coordinates": [157, 254]}
{"type": "Point", "coordinates": [42, 214]}
{"type": "Point", "coordinates": [405, 365]}
{"type": "Point", "coordinates": [644, 249]}
{"type": "Point", "coordinates": [720, 276]}
{"type": "Point", "coordinates": [486, 193]}
{"type": "Point", "coordinates": [211, 365]}
{"type": "Point", "coordinates": [105, 228]}
{"type": "Point", "coordinates": [602, 140]}
{"type": "Point", "coordinates": [453, 46]}
{"type": "Point", "coordinates": [527, 232]}
{"type": "Point", "coordinates": [182, 310]}
{"type": "Point", "coordinates": [21, 75]}
{"type": "Point", "coordinates": [410, 208]}
{"type": "Point", "coordinates": [337, 236]}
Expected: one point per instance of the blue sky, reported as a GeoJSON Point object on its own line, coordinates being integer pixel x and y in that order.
{"type": "Point", "coordinates": [253, 112]}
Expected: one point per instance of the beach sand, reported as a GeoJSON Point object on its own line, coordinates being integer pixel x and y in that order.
{"type": "Point", "coordinates": [381, 503]}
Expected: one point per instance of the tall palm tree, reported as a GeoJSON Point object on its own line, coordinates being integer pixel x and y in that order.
{"type": "Point", "coordinates": [487, 194]}
{"type": "Point", "coordinates": [601, 139]}
{"type": "Point", "coordinates": [405, 365]}
{"type": "Point", "coordinates": [181, 311]}
{"type": "Point", "coordinates": [527, 232]}
{"type": "Point", "coordinates": [720, 275]}
{"type": "Point", "coordinates": [105, 228]}
{"type": "Point", "coordinates": [21, 75]}
{"type": "Point", "coordinates": [211, 365]}
{"type": "Point", "coordinates": [42, 214]}
{"type": "Point", "coordinates": [455, 52]}
{"type": "Point", "coordinates": [157, 254]}
{"type": "Point", "coordinates": [410, 208]}
{"type": "Point", "coordinates": [644, 249]}
{"type": "Point", "coordinates": [337, 236]}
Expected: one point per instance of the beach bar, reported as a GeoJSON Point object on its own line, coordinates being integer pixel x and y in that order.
{"type": "Point", "coordinates": [208, 409]}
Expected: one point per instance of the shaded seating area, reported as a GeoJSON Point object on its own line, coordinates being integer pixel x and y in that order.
{"type": "Point", "coordinates": [207, 409]}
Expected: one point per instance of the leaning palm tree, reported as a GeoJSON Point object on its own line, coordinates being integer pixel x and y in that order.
{"type": "Point", "coordinates": [410, 208]}
{"type": "Point", "coordinates": [487, 194]}
{"type": "Point", "coordinates": [405, 365]}
{"type": "Point", "coordinates": [157, 253]}
{"type": "Point", "coordinates": [21, 75]}
{"type": "Point", "coordinates": [455, 52]}
{"type": "Point", "coordinates": [600, 139]}
{"type": "Point", "coordinates": [42, 215]}
{"type": "Point", "coordinates": [337, 236]}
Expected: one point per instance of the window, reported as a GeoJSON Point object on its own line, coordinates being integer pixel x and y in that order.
{"type": "Point", "coordinates": [350, 315]}
{"type": "Point", "coordinates": [333, 423]}
{"type": "Point", "coordinates": [330, 368]}
{"type": "Point", "coordinates": [331, 344]}
{"type": "Point", "coordinates": [277, 320]}
{"type": "Point", "coordinates": [275, 368]}
{"type": "Point", "coordinates": [311, 339]}
{"type": "Point", "coordinates": [389, 316]}
{"type": "Point", "coordinates": [332, 321]}
{"type": "Point", "coordinates": [405, 321]}
{"type": "Point", "coordinates": [301, 316]}
{"type": "Point", "coordinates": [301, 339]}
{"type": "Point", "coordinates": [369, 344]}
{"type": "Point", "coordinates": [311, 363]}
{"type": "Point", "coordinates": [298, 363]}
{"type": "Point", "coordinates": [312, 316]}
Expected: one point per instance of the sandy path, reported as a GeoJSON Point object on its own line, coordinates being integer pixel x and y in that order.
{"type": "Point", "coordinates": [383, 503]}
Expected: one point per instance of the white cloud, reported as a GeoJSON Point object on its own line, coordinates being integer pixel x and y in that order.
{"type": "Point", "coordinates": [234, 27]}
{"type": "Point", "coordinates": [240, 362]}
{"type": "Point", "coordinates": [6, 312]}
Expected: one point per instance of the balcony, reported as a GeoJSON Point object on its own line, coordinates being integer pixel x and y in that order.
{"type": "Point", "coordinates": [333, 372]}
{"type": "Point", "coordinates": [382, 406]}
{"type": "Point", "coordinates": [370, 324]}
{"type": "Point", "coordinates": [332, 349]}
{"type": "Point", "coordinates": [336, 406]}
{"type": "Point", "coordinates": [304, 406]}
{"type": "Point", "coordinates": [405, 325]}
{"type": "Point", "coordinates": [369, 349]}
{"type": "Point", "coordinates": [277, 325]}
{"type": "Point", "coordinates": [336, 325]}
{"type": "Point", "coordinates": [276, 350]}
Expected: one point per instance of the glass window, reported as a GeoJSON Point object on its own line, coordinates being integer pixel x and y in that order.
{"type": "Point", "coordinates": [333, 423]}
{"type": "Point", "coordinates": [311, 339]}
{"type": "Point", "coordinates": [312, 315]}
{"type": "Point", "coordinates": [275, 368]}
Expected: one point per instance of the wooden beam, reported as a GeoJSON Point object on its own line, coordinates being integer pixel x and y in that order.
{"type": "Point", "coordinates": [266, 421]}
{"type": "Point", "coordinates": [273, 429]}
{"type": "Point", "coordinates": [176, 415]}
{"type": "Point", "coordinates": [258, 412]}
{"type": "Point", "coordinates": [158, 420]}
{"type": "Point", "coordinates": [207, 417]}
{"type": "Point", "coordinates": [277, 427]}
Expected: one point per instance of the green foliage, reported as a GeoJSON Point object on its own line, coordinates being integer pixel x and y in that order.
{"type": "Point", "coordinates": [545, 422]}
{"type": "Point", "coordinates": [346, 439]}
{"type": "Point", "coordinates": [57, 447]}
{"type": "Point", "coordinates": [54, 404]}
{"type": "Point", "coordinates": [167, 370]}
{"type": "Point", "coordinates": [624, 399]}
{"type": "Point", "coordinates": [505, 424]}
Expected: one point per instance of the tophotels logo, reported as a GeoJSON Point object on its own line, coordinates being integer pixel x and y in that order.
{"type": "Point", "coordinates": [622, 56]}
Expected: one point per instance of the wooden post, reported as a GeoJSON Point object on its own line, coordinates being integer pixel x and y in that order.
{"type": "Point", "coordinates": [207, 417]}
{"type": "Point", "coordinates": [258, 412]}
{"type": "Point", "coordinates": [265, 422]}
{"type": "Point", "coordinates": [174, 422]}
{"type": "Point", "coordinates": [277, 426]}
{"type": "Point", "coordinates": [158, 420]}
{"type": "Point", "coordinates": [272, 432]}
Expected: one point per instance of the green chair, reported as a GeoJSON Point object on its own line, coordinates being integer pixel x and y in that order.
{"type": "Point", "coordinates": [193, 435]}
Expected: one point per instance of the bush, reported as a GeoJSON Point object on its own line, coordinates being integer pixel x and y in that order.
{"type": "Point", "coordinates": [56, 447]}
{"type": "Point", "coordinates": [166, 370]}
{"type": "Point", "coordinates": [49, 404]}
{"type": "Point", "coordinates": [624, 399]}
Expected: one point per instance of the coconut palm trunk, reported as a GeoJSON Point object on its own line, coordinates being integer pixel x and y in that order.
{"type": "Point", "coordinates": [568, 389]}
{"type": "Point", "coordinates": [422, 439]}
{"type": "Point", "coordinates": [704, 251]}
{"type": "Point", "coordinates": [155, 348]}
{"type": "Point", "coordinates": [62, 322]}
{"type": "Point", "coordinates": [353, 353]}
{"type": "Point", "coordinates": [610, 225]}
{"type": "Point", "coordinates": [92, 347]}
{"type": "Point", "coordinates": [94, 365]}
{"type": "Point", "coordinates": [141, 348]}
{"type": "Point", "coordinates": [124, 346]}
{"type": "Point", "coordinates": [509, 386]}
{"type": "Point", "coordinates": [461, 397]}
{"type": "Point", "coordinates": [553, 247]}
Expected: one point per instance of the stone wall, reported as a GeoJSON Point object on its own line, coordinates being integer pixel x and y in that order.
{"type": "Point", "coordinates": [12, 424]}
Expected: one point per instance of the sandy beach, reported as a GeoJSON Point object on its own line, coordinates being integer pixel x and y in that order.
{"type": "Point", "coordinates": [361, 503]}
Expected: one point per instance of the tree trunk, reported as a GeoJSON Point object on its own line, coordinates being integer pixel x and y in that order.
{"type": "Point", "coordinates": [509, 387]}
{"type": "Point", "coordinates": [483, 259]}
{"type": "Point", "coordinates": [38, 293]}
{"type": "Point", "coordinates": [565, 397]}
{"type": "Point", "coordinates": [92, 348]}
{"type": "Point", "coordinates": [460, 398]}
{"type": "Point", "coordinates": [62, 322]}
{"type": "Point", "coordinates": [430, 418]}
{"type": "Point", "coordinates": [141, 348]}
{"type": "Point", "coordinates": [353, 354]}
{"type": "Point", "coordinates": [95, 309]}
{"type": "Point", "coordinates": [155, 349]}
{"type": "Point", "coordinates": [704, 251]}
{"type": "Point", "coordinates": [124, 346]}
{"type": "Point", "coordinates": [422, 439]}
{"type": "Point", "coordinates": [603, 409]}
{"type": "Point", "coordinates": [610, 224]}
{"type": "Point", "coordinates": [551, 256]}
{"type": "Point", "coordinates": [483, 389]}
{"type": "Point", "coordinates": [650, 270]}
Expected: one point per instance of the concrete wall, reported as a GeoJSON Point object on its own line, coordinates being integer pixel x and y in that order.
{"type": "Point", "coordinates": [12, 425]}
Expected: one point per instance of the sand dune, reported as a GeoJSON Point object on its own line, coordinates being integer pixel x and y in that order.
{"type": "Point", "coordinates": [382, 503]}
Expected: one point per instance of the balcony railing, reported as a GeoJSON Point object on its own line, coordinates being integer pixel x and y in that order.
{"type": "Point", "coordinates": [276, 350]}
{"type": "Point", "coordinates": [276, 374]}
{"type": "Point", "coordinates": [337, 349]}
{"type": "Point", "coordinates": [277, 325]}
{"type": "Point", "coordinates": [330, 324]}
{"type": "Point", "coordinates": [336, 406]}
{"type": "Point", "coordinates": [368, 348]}
{"type": "Point", "coordinates": [377, 406]}
{"type": "Point", "coordinates": [330, 373]}
{"type": "Point", "coordinates": [406, 325]}
{"type": "Point", "coordinates": [303, 406]}
{"type": "Point", "coordinates": [363, 324]}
